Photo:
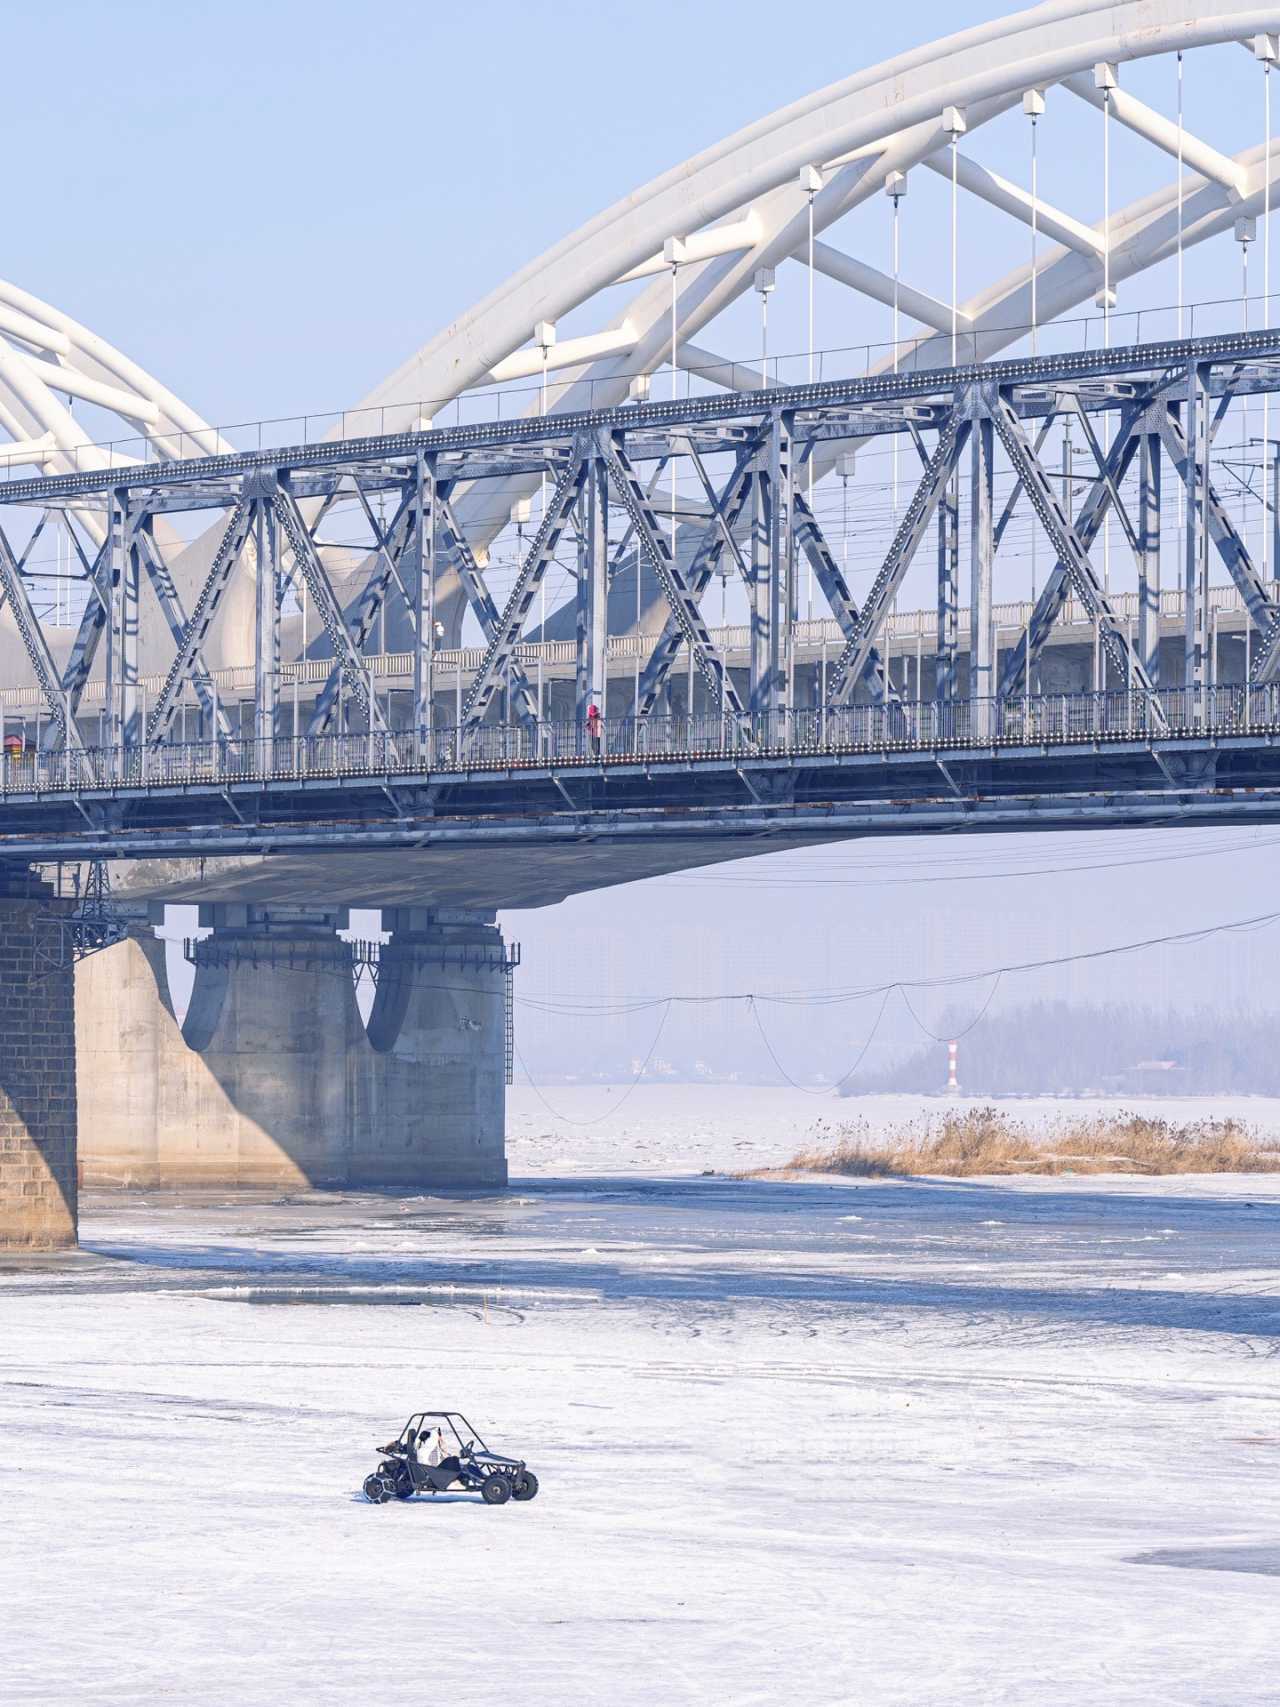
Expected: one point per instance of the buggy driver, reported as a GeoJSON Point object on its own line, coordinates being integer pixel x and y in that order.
{"type": "Point", "coordinates": [434, 1453]}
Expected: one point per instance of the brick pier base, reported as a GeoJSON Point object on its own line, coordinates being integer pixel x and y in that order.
{"type": "Point", "coordinates": [37, 1083]}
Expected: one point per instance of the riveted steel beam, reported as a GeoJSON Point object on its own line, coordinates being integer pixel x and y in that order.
{"type": "Point", "coordinates": [657, 552]}
{"type": "Point", "coordinates": [855, 658]}
{"type": "Point", "coordinates": [234, 539]}
{"type": "Point", "coordinates": [34, 644]}
{"type": "Point", "coordinates": [718, 536]}
{"type": "Point", "coordinates": [502, 643]}
{"type": "Point", "coordinates": [1072, 553]}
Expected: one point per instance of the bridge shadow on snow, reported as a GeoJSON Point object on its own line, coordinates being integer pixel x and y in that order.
{"type": "Point", "coordinates": [788, 1246]}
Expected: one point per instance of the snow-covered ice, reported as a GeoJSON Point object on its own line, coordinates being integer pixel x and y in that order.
{"type": "Point", "coordinates": [998, 1442]}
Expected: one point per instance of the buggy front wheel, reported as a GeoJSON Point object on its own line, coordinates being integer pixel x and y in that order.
{"type": "Point", "coordinates": [376, 1490]}
{"type": "Point", "coordinates": [526, 1486]}
{"type": "Point", "coordinates": [495, 1489]}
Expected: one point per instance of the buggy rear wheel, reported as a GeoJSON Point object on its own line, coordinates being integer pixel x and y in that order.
{"type": "Point", "coordinates": [495, 1489]}
{"type": "Point", "coordinates": [402, 1485]}
{"type": "Point", "coordinates": [376, 1490]}
{"type": "Point", "coordinates": [525, 1487]}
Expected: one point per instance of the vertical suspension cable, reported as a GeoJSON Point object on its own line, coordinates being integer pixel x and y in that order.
{"type": "Point", "coordinates": [896, 185]}
{"type": "Point", "coordinates": [1244, 234]}
{"type": "Point", "coordinates": [1035, 237]}
{"type": "Point", "coordinates": [808, 595]}
{"type": "Point", "coordinates": [764, 338]}
{"type": "Point", "coordinates": [955, 271]}
{"type": "Point", "coordinates": [542, 586]}
{"type": "Point", "coordinates": [1099, 668]}
{"type": "Point", "coordinates": [1033, 106]}
{"type": "Point", "coordinates": [1268, 317]}
{"type": "Point", "coordinates": [1106, 217]}
{"type": "Point", "coordinates": [1181, 134]}
{"type": "Point", "coordinates": [953, 123]}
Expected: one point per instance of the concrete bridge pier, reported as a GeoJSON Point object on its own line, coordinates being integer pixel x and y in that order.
{"type": "Point", "coordinates": [429, 1092]}
{"type": "Point", "coordinates": [271, 1079]}
{"type": "Point", "coordinates": [251, 1088]}
{"type": "Point", "coordinates": [37, 1072]}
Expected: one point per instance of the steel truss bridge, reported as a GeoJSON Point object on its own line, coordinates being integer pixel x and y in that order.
{"type": "Point", "coordinates": [476, 761]}
{"type": "Point", "coordinates": [176, 705]}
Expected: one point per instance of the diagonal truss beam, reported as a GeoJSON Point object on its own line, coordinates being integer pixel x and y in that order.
{"type": "Point", "coordinates": [502, 644]}
{"type": "Point", "coordinates": [656, 549]}
{"type": "Point", "coordinates": [35, 644]}
{"type": "Point", "coordinates": [1231, 548]}
{"type": "Point", "coordinates": [93, 621]}
{"type": "Point", "coordinates": [855, 658]}
{"type": "Point", "coordinates": [835, 589]}
{"type": "Point", "coordinates": [1101, 462]}
{"type": "Point", "coordinates": [201, 620]}
{"type": "Point", "coordinates": [171, 608]}
{"type": "Point", "coordinates": [1011, 503]}
{"type": "Point", "coordinates": [717, 535]}
{"type": "Point", "coordinates": [1072, 553]}
{"type": "Point", "coordinates": [390, 544]}
{"type": "Point", "coordinates": [1089, 519]}
{"type": "Point", "coordinates": [325, 602]}
{"type": "Point", "coordinates": [457, 548]}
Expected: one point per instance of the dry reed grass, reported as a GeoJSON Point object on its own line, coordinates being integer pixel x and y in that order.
{"type": "Point", "coordinates": [988, 1141]}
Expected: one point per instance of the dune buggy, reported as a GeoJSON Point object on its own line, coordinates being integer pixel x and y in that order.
{"type": "Point", "coordinates": [436, 1450]}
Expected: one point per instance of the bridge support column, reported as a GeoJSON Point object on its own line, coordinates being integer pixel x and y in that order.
{"type": "Point", "coordinates": [37, 1082]}
{"type": "Point", "coordinates": [271, 1079]}
{"type": "Point", "coordinates": [251, 1090]}
{"type": "Point", "coordinates": [429, 1095]}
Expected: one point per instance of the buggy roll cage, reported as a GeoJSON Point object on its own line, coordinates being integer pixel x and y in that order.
{"type": "Point", "coordinates": [415, 1424]}
{"type": "Point", "coordinates": [406, 1439]}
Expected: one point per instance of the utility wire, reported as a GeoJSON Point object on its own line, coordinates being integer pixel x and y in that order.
{"type": "Point", "coordinates": [837, 996]}
{"type": "Point", "coordinates": [609, 1112]}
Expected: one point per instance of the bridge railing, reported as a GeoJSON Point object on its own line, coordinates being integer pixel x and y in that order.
{"type": "Point", "coordinates": [1038, 720]}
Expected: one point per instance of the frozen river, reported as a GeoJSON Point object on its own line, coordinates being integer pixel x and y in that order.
{"type": "Point", "coordinates": [947, 1443]}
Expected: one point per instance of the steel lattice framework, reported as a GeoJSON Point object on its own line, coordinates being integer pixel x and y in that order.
{"type": "Point", "coordinates": [967, 395]}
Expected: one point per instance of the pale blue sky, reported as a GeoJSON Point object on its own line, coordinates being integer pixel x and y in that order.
{"type": "Point", "coordinates": [270, 204]}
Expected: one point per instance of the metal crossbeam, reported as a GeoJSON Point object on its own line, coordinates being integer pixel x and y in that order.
{"type": "Point", "coordinates": [662, 561]}
{"type": "Point", "coordinates": [506, 635]}
{"type": "Point", "coordinates": [1071, 551]}
{"type": "Point", "coordinates": [1222, 531]}
{"type": "Point", "coordinates": [835, 589]}
{"type": "Point", "coordinates": [1089, 518]}
{"type": "Point", "coordinates": [528, 437]}
{"type": "Point", "coordinates": [93, 622]}
{"type": "Point", "coordinates": [171, 608]}
{"type": "Point", "coordinates": [34, 643]}
{"type": "Point", "coordinates": [325, 601]}
{"type": "Point", "coordinates": [717, 536]}
{"type": "Point", "coordinates": [456, 547]}
{"type": "Point", "coordinates": [390, 544]}
{"type": "Point", "coordinates": [855, 658]}
{"type": "Point", "coordinates": [202, 617]}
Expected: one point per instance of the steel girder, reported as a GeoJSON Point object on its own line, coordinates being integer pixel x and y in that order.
{"type": "Point", "coordinates": [758, 441]}
{"type": "Point", "coordinates": [34, 643]}
{"type": "Point", "coordinates": [856, 656]}
{"type": "Point", "coordinates": [309, 565]}
{"type": "Point", "coordinates": [1064, 576]}
{"type": "Point", "coordinates": [391, 545]}
{"type": "Point", "coordinates": [500, 650]}
{"type": "Point", "coordinates": [661, 559]}
{"type": "Point", "coordinates": [1072, 553]}
{"type": "Point", "coordinates": [718, 536]}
